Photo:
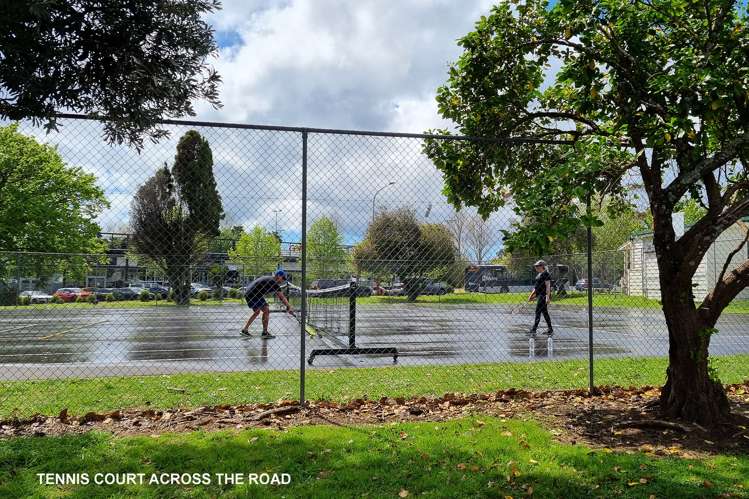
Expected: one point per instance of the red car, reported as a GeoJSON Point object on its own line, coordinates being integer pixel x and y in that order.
{"type": "Point", "coordinates": [68, 294]}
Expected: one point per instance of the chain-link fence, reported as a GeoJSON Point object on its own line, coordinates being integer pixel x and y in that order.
{"type": "Point", "coordinates": [134, 286]}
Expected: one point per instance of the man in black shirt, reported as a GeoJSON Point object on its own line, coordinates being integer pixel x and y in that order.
{"type": "Point", "coordinates": [542, 293]}
{"type": "Point", "coordinates": [255, 297]}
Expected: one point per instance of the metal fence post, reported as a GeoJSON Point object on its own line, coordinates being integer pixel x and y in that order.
{"type": "Point", "coordinates": [18, 277]}
{"type": "Point", "coordinates": [590, 296]}
{"type": "Point", "coordinates": [303, 284]}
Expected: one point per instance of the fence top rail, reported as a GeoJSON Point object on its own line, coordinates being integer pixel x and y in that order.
{"type": "Point", "coordinates": [335, 131]}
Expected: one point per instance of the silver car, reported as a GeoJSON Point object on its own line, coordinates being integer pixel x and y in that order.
{"type": "Point", "coordinates": [36, 296]}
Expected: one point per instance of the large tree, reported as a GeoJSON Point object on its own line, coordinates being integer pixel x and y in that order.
{"type": "Point", "coordinates": [176, 214]}
{"type": "Point", "coordinates": [45, 207]}
{"type": "Point", "coordinates": [325, 252]}
{"type": "Point", "coordinates": [397, 245]}
{"type": "Point", "coordinates": [653, 89]}
{"type": "Point", "coordinates": [130, 62]}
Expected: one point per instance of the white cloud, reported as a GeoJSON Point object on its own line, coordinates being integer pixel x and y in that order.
{"type": "Point", "coordinates": [338, 64]}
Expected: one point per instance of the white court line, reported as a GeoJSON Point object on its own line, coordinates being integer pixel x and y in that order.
{"type": "Point", "coordinates": [60, 333]}
{"type": "Point", "coordinates": [17, 328]}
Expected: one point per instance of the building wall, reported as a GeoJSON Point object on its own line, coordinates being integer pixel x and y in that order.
{"type": "Point", "coordinates": [641, 278]}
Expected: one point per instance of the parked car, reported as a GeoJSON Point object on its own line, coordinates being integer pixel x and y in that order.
{"type": "Point", "coordinates": [67, 294]}
{"type": "Point", "coordinates": [159, 291]}
{"type": "Point", "coordinates": [84, 293]}
{"type": "Point", "coordinates": [582, 284]}
{"type": "Point", "coordinates": [436, 288]}
{"type": "Point", "coordinates": [197, 287]}
{"type": "Point", "coordinates": [101, 293]}
{"type": "Point", "coordinates": [37, 296]}
{"type": "Point", "coordinates": [129, 293]}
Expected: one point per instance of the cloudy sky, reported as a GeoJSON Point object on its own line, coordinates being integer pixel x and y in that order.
{"type": "Point", "coordinates": [366, 65]}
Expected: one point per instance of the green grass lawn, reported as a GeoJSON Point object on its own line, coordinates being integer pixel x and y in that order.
{"type": "Point", "coordinates": [578, 299]}
{"type": "Point", "coordinates": [121, 304]}
{"type": "Point", "coordinates": [24, 398]}
{"type": "Point", "coordinates": [457, 298]}
{"type": "Point", "coordinates": [471, 457]}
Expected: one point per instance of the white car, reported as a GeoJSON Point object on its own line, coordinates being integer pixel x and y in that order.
{"type": "Point", "coordinates": [197, 287]}
{"type": "Point", "coordinates": [37, 296]}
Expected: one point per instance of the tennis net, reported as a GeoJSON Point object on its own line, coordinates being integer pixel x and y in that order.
{"type": "Point", "coordinates": [329, 310]}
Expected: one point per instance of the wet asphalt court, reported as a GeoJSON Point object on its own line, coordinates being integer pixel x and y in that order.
{"type": "Point", "coordinates": [81, 342]}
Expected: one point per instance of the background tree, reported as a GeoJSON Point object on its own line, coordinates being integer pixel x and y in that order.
{"type": "Point", "coordinates": [46, 207]}
{"type": "Point", "coordinates": [227, 239]}
{"type": "Point", "coordinates": [653, 88]}
{"type": "Point", "coordinates": [439, 252]}
{"type": "Point", "coordinates": [457, 227]}
{"type": "Point", "coordinates": [397, 245]}
{"type": "Point", "coordinates": [259, 252]}
{"type": "Point", "coordinates": [172, 221]}
{"type": "Point", "coordinates": [129, 62]}
{"type": "Point", "coordinates": [325, 252]}
{"type": "Point", "coordinates": [478, 238]}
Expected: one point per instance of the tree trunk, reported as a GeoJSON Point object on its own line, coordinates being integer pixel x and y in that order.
{"type": "Point", "coordinates": [179, 280]}
{"type": "Point", "coordinates": [690, 393]}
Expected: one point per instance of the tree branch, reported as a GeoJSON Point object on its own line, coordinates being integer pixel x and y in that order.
{"type": "Point", "coordinates": [725, 291]}
{"type": "Point", "coordinates": [676, 189]}
{"type": "Point", "coordinates": [697, 240]}
{"type": "Point", "coordinates": [730, 257]}
{"type": "Point", "coordinates": [562, 115]}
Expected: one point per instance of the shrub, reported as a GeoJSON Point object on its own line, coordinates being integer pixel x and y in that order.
{"type": "Point", "coordinates": [117, 296]}
{"type": "Point", "coordinates": [109, 297]}
{"type": "Point", "coordinates": [203, 295]}
{"type": "Point", "coordinates": [233, 293]}
{"type": "Point", "coordinates": [218, 293]}
{"type": "Point", "coordinates": [170, 295]}
{"type": "Point", "coordinates": [80, 299]}
{"type": "Point", "coordinates": [145, 295]}
{"type": "Point", "coordinates": [91, 298]}
{"type": "Point", "coordinates": [25, 300]}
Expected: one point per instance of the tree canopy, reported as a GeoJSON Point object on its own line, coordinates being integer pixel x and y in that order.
{"type": "Point", "coordinates": [173, 223]}
{"type": "Point", "coordinates": [128, 62]}
{"type": "Point", "coordinates": [259, 252]}
{"type": "Point", "coordinates": [647, 92]}
{"type": "Point", "coordinates": [325, 252]}
{"type": "Point", "coordinates": [46, 206]}
{"type": "Point", "coordinates": [397, 245]}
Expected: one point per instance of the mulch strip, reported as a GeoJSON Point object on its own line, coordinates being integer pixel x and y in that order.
{"type": "Point", "coordinates": [622, 419]}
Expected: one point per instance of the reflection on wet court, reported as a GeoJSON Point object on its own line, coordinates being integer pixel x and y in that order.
{"type": "Point", "coordinates": [112, 341]}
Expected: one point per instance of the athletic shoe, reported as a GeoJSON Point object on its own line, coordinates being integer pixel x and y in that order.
{"type": "Point", "coordinates": [244, 332]}
{"type": "Point", "coordinates": [531, 333]}
{"type": "Point", "coordinates": [549, 333]}
{"type": "Point", "coordinates": [266, 335]}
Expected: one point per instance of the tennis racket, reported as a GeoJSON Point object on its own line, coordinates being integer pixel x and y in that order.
{"type": "Point", "coordinates": [311, 330]}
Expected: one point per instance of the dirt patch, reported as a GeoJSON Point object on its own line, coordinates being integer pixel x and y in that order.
{"type": "Point", "coordinates": [616, 418]}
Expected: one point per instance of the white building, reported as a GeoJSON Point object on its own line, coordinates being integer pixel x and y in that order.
{"type": "Point", "coordinates": [641, 267]}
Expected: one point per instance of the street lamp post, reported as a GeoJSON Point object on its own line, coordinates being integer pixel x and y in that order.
{"type": "Point", "coordinates": [374, 198]}
{"type": "Point", "coordinates": [276, 231]}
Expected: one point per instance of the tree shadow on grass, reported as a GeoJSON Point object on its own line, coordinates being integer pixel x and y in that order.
{"type": "Point", "coordinates": [630, 427]}
{"type": "Point", "coordinates": [460, 458]}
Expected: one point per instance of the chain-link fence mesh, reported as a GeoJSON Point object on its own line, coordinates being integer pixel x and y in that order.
{"type": "Point", "coordinates": [394, 293]}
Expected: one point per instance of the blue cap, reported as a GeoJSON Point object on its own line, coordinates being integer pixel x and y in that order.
{"type": "Point", "coordinates": [280, 273]}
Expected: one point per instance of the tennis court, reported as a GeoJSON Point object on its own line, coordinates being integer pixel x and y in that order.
{"type": "Point", "coordinates": [45, 343]}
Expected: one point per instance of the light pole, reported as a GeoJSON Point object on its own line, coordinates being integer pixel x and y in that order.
{"type": "Point", "coordinates": [375, 197]}
{"type": "Point", "coordinates": [276, 231]}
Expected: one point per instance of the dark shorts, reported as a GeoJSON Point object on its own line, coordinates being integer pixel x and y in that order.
{"type": "Point", "coordinates": [255, 302]}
